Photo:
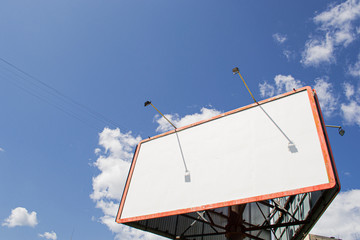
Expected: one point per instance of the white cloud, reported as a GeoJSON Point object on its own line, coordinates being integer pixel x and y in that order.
{"type": "Point", "coordinates": [113, 164]}
{"type": "Point", "coordinates": [342, 218]}
{"type": "Point", "coordinates": [283, 84]}
{"type": "Point", "coordinates": [351, 109]}
{"type": "Point", "coordinates": [354, 70]}
{"type": "Point", "coordinates": [328, 100]}
{"type": "Point", "coordinates": [205, 113]}
{"type": "Point", "coordinates": [337, 27]}
{"type": "Point", "coordinates": [2, 150]}
{"type": "Point", "coordinates": [49, 235]}
{"type": "Point", "coordinates": [266, 89]}
{"type": "Point", "coordinates": [21, 217]}
{"type": "Point", "coordinates": [279, 38]}
{"type": "Point", "coordinates": [108, 185]}
{"type": "Point", "coordinates": [349, 90]}
{"type": "Point", "coordinates": [286, 83]}
{"type": "Point", "coordinates": [351, 112]}
{"type": "Point", "coordinates": [318, 51]}
{"type": "Point", "coordinates": [340, 15]}
{"type": "Point", "coordinates": [97, 151]}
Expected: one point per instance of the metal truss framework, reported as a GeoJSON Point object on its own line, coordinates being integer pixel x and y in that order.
{"type": "Point", "coordinates": [286, 218]}
{"type": "Point", "coordinates": [278, 218]}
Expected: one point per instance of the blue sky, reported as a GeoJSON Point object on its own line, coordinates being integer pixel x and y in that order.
{"type": "Point", "coordinates": [62, 169]}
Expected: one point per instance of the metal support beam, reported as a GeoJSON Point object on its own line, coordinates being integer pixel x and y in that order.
{"type": "Point", "coordinates": [266, 219]}
{"type": "Point", "coordinates": [221, 233]}
{"type": "Point", "coordinates": [274, 226]}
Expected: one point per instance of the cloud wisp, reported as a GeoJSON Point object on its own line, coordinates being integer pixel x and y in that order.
{"type": "Point", "coordinates": [338, 29]}
{"type": "Point", "coordinates": [290, 55]}
{"type": "Point", "coordinates": [349, 90]}
{"type": "Point", "coordinates": [351, 109]}
{"type": "Point", "coordinates": [21, 217]}
{"type": "Point", "coordinates": [354, 69]}
{"type": "Point", "coordinates": [279, 38]}
{"type": "Point", "coordinates": [325, 92]}
{"type": "Point", "coordinates": [49, 235]}
{"type": "Point", "coordinates": [114, 157]}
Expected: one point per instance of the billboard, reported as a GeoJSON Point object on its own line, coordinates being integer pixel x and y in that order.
{"type": "Point", "coordinates": [268, 150]}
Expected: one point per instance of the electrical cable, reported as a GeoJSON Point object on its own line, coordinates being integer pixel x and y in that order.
{"type": "Point", "coordinates": [59, 107]}
{"type": "Point", "coordinates": [46, 88]}
{"type": "Point", "coordinates": [57, 94]}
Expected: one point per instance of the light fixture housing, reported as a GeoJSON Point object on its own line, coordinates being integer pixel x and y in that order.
{"type": "Point", "coordinates": [147, 103]}
{"type": "Point", "coordinates": [341, 131]}
{"type": "Point", "coordinates": [235, 70]}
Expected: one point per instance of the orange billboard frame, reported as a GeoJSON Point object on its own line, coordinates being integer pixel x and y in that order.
{"type": "Point", "coordinates": [325, 147]}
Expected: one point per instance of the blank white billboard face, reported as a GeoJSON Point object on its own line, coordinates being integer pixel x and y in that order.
{"type": "Point", "coordinates": [272, 149]}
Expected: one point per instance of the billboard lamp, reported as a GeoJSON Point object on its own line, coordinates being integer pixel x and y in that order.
{"type": "Point", "coordinates": [341, 131]}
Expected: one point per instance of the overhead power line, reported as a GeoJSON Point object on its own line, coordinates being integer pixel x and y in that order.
{"type": "Point", "coordinates": [52, 96]}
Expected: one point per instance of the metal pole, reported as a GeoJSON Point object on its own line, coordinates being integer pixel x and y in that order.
{"type": "Point", "coordinates": [332, 126]}
{"type": "Point", "coordinates": [149, 103]}
{"type": "Point", "coordinates": [236, 70]}
{"type": "Point", "coordinates": [187, 173]}
{"type": "Point", "coordinates": [291, 145]}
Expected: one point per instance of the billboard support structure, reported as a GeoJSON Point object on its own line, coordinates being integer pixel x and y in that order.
{"type": "Point", "coordinates": [245, 183]}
